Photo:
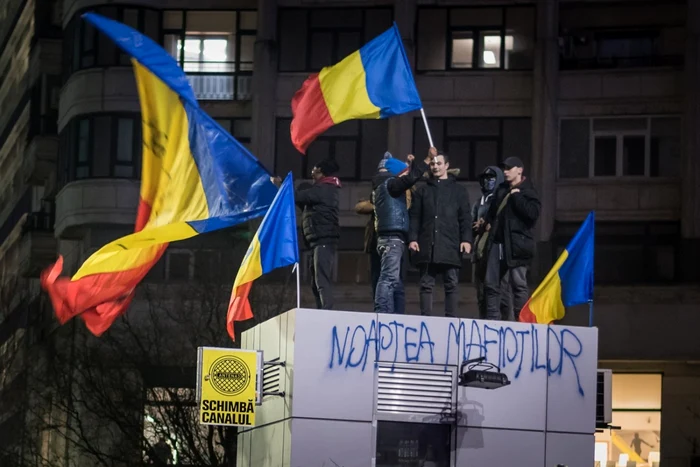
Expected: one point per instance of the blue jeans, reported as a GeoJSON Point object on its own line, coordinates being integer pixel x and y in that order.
{"type": "Point", "coordinates": [389, 296]}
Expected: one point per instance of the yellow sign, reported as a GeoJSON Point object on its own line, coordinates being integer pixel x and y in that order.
{"type": "Point", "coordinates": [226, 383]}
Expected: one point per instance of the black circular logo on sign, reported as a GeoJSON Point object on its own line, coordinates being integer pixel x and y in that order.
{"type": "Point", "coordinates": [229, 376]}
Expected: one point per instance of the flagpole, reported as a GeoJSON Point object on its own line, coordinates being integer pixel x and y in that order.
{"type": "Point", "coordinates": [427, 130]}
{"type": "Point", "coordinates": [296, 268]}
{"type": "Point", "coordinates": [590, 313]}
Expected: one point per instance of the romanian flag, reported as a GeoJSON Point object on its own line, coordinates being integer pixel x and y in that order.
{"type": "Point", "coordinates": [274, 246]}
{"type": "Point", "coordinates": [196, 178]}
{"type": "Point", "coordinates": [373, 82]}
{"type": "Point", "coordinates": [568, 283]}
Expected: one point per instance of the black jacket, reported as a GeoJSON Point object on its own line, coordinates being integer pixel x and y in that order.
{"type": "Point", "coordinates": [319, 204]}
{"type": "Point", "coordinates": [389, 200]}
{"type": "Point", "coordinates": [513, 226]}
{"type": "Point", "coordinates": [440, 221]}
{"type": "Point", "coordinates": [481, 206]}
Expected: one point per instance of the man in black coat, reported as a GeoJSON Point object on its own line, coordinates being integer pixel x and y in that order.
{"type": "Point", "coordinates": [320, 227]}
{"type": "Point", "coordinates": [512, 216]}
{"type": "Point", "coordinates": [440, 232]}
{"type": "Point", "coordinates": [489, 180]}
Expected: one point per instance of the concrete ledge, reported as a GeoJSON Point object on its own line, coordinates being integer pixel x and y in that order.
{"type": "Point", "coordinates": [95, 201]}
{"type": "Point", "coordinates": [619, 199]}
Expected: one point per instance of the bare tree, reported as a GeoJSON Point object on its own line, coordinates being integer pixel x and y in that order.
{"type": "Point", "coordinates": [21, 434]}
{"type": "Point", "coordinates": [128, 397]}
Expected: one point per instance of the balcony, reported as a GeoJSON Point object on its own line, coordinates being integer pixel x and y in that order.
{"type": "Point", "coordinates": [221, 86]}
{"type": "Point", "coordinates": [95, 201]}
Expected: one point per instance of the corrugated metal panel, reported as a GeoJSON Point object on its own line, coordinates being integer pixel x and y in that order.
{"type": "Point", "coordinates": [417, 389]}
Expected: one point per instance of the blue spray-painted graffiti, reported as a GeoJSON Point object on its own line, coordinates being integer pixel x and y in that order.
{"type": "Point", "coordinates": [523, 349]}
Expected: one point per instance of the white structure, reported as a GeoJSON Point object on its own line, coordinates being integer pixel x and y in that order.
{"type": "Point", "coordinates": [364, 389]}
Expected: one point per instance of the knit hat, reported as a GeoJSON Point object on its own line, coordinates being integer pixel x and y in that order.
{"type": "Point", "coordinates": [393, 166]}
{"type": "Point", "coordinates": [328, 167]}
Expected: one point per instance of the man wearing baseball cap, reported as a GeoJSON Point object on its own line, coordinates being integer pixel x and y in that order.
{"type": "Point", "coordinates": [391, 222]}
{"type": "Point", "coordinates": [509, 222]}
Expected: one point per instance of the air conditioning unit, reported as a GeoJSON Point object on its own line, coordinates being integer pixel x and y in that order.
{"type": "Point", "coordinates": [603, 407]}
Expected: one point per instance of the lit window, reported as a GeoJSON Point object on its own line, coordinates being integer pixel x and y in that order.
{"type": "Point", "coordinates": [636, 402]}
{"type": "Point", "coordinates": [172, 433]}
{"type": "Point", "coordinates": [475, 38]}
{"type": "Point", "coordinates": [218, 50]}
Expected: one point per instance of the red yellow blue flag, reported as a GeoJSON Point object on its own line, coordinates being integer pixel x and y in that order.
{"type": "Point", "coordinates": [373, 82]}
{"type": "Point", "coordinates": [196, 178]}
{"type": "Point", "coordinates": [568, 283]}
{"type": "Point", "coordinates": [273, 246]}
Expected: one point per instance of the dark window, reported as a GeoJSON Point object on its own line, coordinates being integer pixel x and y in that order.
{"type": "Point", "coordinates": [621, 147]}
{"type": "Point", "coordinates": [240, 128]}
{"type": "Point", "coordinates": [472, 144]}
{"type": "Point", "coordinates": [574, 142]}
{"type": "Point", "coordinates": [357, 146]}
{"type": "Point", "coordinates": [179, 265]}
{"type": "Point", "coordinates": [665, 147]}
{"type": "Point", "coordinates": [101, 145]}
{"type": "Point", "coordinates": [630, 253]}
{"type": "Point", "coordinates": [644, 35]}
{"type": "Point", "coordinates": [215, 49]}
{"type": "Point", "coordinates": [313, 38]}
{"type": "Point", "coordinates": [84, 48]}
{"type": "Point", "coordinates": [400, 443]}
{"type": "Point", "coordinates": [605, 158]}
{"type": "Point", "coordinates": [475, 38]}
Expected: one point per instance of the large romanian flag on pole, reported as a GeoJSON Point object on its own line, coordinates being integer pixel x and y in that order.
{"type": "Point", "coordinates": [568, 283]}
{"type": "Point", "coordinates": [274, 246]}
{"type": "Point", "coordinates": [196, 178]}
{"type": "Point", "coordinates": [373, 82]}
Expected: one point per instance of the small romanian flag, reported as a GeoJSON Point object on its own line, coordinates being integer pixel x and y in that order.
{"type": "Point", "coordinates": [373, 82]}
{"type": "Point", "coordinates": [568, 283]}
{"type": "Point", "coordinates": [274, 246]}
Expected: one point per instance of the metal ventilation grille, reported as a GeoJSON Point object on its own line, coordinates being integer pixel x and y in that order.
{"type": "Point", "coordinates": [415, 389]}
{"type": "Point", "coordinates": [271, 378]}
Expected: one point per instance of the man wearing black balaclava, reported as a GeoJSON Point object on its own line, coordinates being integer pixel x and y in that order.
{"type": "Point", "coordinates": [489, 179]}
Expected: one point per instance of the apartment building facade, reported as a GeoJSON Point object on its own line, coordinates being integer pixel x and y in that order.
{"type": "Point", "coordinates": [598, 98]}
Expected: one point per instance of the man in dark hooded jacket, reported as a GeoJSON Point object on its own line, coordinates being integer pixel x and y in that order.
{"type": "Point", "coordinates": [440, 232]}
{"type": "Point", "coordinates": [391, 222]}
{"type": "Point", "coordinates": [512, 216]}
{"type": "Point", "coordinates": [489, 180]}
{"type": "Point", "coordinates": [321, 229]}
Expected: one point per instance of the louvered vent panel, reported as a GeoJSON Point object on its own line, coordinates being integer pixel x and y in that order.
{"type": "Point", "coordinates": [414, 389]}
{"type": "Point", "coordinates": [271, 378]}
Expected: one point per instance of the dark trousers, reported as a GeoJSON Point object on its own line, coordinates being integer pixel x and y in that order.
{"type": "Point", "coordinates": [390, 251]}
{"type": "Point", "coordinates": [450, 279]}
{"type": "Point", "coordinates": [506, 296]}
{"type": "Point", "coordinates": [322, 265]}
{"type": "Point", "coordinates": [496, 271]}
{"type": "Point", "coordinates": [375, 267]}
